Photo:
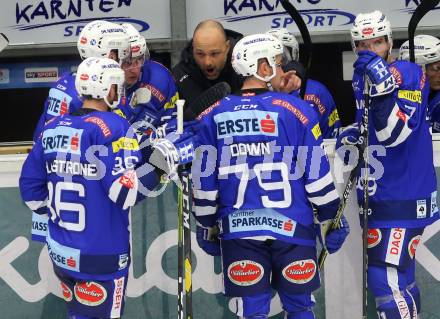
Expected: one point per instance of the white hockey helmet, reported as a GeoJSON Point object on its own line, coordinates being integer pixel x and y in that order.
{"type": "Point", "coordinates": [369, 26]}
{"type": "Point", "coordinates": [289, 42]}
{"type": "Point", "coordinates": [98, 38]}
{"type": "Point", "coordinates": [252, 48]}
{"type": "Point", "coordinates": [426, 49]}
{"type": "Point", "coordinates": [95, 77]}
{"type": "Point", "coordinates": [137, 41]}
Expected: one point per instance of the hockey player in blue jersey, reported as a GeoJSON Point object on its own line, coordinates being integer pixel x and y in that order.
{"type": "Point", "coordinates": [427, 54]}
{"type": "Point", "coordinates": [143, 73]}
{"type": "Point", "coordinates": [98, 38]}
{"type": "Point", "coordinates": [86, 171]}
{"type": "Point", "coordinates": [403, 200]}
{"type": "Point", "coordinates": [253, 182]}
{"type": "Point", "coordinates": [316, 93]}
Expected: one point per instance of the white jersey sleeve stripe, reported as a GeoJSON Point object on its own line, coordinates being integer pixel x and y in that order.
{"type": "Point", "coordinates": [320, 184]}
{"type": "Point", "coordinates": [204, 210]}
{"type": "Point", "coordinates": [406, 131]}
{"type": "Point", "coordinates": [126, 185]}
{"type": "Point", "coordinates": [130, 200]}
{"type": "Point", "coordinates": [115, 189]}
{"type": "Point", "coordinates": [386, 132]}
{"type": "Point", "coordinates": [36, 204]}
{"type": "Point", "coordinates": [208, 195]}
{"type": "Point", "coordinates": [327, 198]}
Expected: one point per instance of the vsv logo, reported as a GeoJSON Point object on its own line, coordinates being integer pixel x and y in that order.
{"type": "Point", "coordinates": [240, 10]}
{"type": "Point", "coordinates": [72, 13]}
{"type": "Point", "coordinates": [62, 139]}
{"type": "Point", "coordinates": [242, 123]}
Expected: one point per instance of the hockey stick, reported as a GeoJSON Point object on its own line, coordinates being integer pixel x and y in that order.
{"type": "Point", "coordinates": [335, 224]}
{"type": "Point", "coordinates": [423, 8]}
{"type": "Point", "coordinates": [184, 266]}
{"type": "Point", "coordinates": [342, 204]}
{"type": "Point", "coordinates": [184, 263]}
{"type": "Point", "coordinates": [365, 206]}
{"type": "Point", "coordinates": [296, 16]}
{"type": "Point", "coordinates": [4, 41]}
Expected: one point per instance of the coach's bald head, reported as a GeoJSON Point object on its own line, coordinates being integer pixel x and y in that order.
{"type": "Point", "coordinates": [210, 48]}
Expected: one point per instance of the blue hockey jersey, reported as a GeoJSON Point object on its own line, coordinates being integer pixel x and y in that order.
{"type": "Point", "coordinates": [322, 101]}
{"type": "Point", "coordinates": [62, 99]}
{"type": "Point", "coordinates": [263, 169]}
{"type": "Point", "coordinates": [434, 110]}
{"type": "Point", "coordinates": [161, 108]}
{"type": "Point", "coordinates": [402, 181]}
{"type": "Point", "coordinates": [81, 171]}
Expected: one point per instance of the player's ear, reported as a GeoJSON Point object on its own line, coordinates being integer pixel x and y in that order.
{"type": "Point", "coordinates": [264, 68]}
{"type": "Point", "coordinates": [228, 45]}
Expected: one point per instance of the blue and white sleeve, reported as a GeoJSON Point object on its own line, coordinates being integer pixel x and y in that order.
{"type": "Point", "coordinates": [319, 185]}
{"type": "Point", "coordinates": [34, 192]}
{"type": "Point", "coordinates": [205, 188]}
{"type": "Point", "coordinates": [397, 115]}
{"type": "Point", "coordinates": [121, 179]}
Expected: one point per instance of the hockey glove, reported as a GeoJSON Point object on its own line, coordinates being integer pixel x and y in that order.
{"type": "Point", "coordinates": [169, 152]}
{"type": "Point", "coordinates": [348, 137]}
{"type": "Point", "coordinates": [377, 71]}
{"type": "Point", "coordinates": [296, 66]}
{"type": "Point", "coordinates": [207, 238]}
{"type": "Point", "coordinates": [140, 96]}
{"type": "Point", "coordinates": [335, 238]}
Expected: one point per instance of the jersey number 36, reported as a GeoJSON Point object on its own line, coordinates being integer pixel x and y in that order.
{"type": "Point", "coordinates": [56, 205]}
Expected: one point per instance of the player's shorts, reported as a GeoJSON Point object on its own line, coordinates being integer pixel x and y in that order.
{"type": "Point", "coordinates": [93, 298]}
{"type": "Point", "coordinates": [253, 267]}
{"type": "Point", "coordinates": [393, 246]}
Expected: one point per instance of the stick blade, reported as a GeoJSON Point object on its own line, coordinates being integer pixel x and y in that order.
{"type": "Point", "coordinates": [206, 99]}
{"type": "Point", "coordinates": [4, 41]}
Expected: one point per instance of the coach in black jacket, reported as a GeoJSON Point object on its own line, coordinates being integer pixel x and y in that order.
{"type": "Point", "coordinates": [206, 60]}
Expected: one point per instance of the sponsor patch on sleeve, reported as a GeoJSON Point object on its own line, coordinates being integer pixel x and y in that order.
{"type": "Point", "coordinates": [333, 118]}
{"type": "Point", "coordinates": [316, 101]}
{"type": "Point", "coordinates": [156, 92]}
{"type": "Point", "coordinates": [401, 115]}
{"type": "Point", "coordinates": [172, 102]}
{"type": "Point", "coordinates": [316, 131]}
{"type": "Point", "coordinates": [119, 112]}
{"type": "Point", "coordinates": [413, 96]}
{"type": "Point", "coordinates": [396, 74]}
{"type": "Point", "coordinates": [125, 143]}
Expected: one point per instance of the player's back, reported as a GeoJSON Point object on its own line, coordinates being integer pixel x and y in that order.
{"type": "Point", "coordinates": [258, 136]}
{"type": "Point", "coordinates": [87, 231]}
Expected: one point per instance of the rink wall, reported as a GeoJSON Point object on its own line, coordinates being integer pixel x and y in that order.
{"type": "Point", "coordinates": [29, 289]}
